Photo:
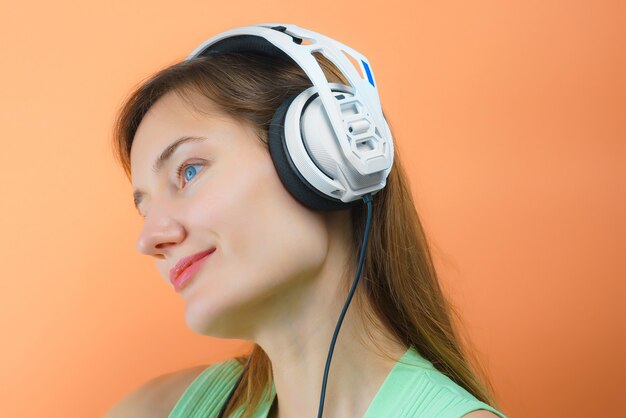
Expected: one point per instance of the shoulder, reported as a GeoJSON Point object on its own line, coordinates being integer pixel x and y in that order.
{"type": "Point", "coordinates": [156, 397]}
{"type": "Point", "coordinates": [442, 390]}
{"type": "Point", "coordinates": [481, 413]}
{"type": "Point", "coordinates": [165, 390]}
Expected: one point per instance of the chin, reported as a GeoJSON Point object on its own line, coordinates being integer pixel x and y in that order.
{"type": "Point", "coordinates": [212, 319]}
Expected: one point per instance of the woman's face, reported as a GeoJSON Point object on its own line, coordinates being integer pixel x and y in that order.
{"type": "Point", "coordinates": [229, 197]}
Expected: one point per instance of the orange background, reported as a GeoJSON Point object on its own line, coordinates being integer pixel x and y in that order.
{"type": "Point", "coordinates": [511, 121]}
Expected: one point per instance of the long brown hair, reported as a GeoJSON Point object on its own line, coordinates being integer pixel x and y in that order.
{"type": "Point", "coordinates": [399, 287]}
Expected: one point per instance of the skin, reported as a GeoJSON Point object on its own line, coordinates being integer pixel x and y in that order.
{"type": "Point", "coordinates": [274, 277]}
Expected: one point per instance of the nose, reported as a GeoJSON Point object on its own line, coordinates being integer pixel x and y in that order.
{"type": "Point", "coordinates": [159, 232]}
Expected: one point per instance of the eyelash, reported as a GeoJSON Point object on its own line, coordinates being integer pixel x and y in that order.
{"type": "Point", "coordinates": [179, 170]}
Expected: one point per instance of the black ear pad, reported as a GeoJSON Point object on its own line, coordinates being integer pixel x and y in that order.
{"type": "Point", "coordinates": [291, 178]}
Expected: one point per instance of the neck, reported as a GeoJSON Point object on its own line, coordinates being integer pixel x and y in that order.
{"type": "Point", "coordinates": [299, 354]}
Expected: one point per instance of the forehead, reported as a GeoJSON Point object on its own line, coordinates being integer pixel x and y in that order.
{"type": "Point", "coordinates": [168, 116]}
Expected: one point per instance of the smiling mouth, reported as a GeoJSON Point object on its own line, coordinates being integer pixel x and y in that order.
{"type": "Point", "coordinates": [188, 267]}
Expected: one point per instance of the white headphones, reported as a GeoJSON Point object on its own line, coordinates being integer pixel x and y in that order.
{"type": "Point", "coordinates": [330, 144]}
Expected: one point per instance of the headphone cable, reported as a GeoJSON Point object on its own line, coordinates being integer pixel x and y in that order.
{"type": "Point", "coordinates": [368, 200]}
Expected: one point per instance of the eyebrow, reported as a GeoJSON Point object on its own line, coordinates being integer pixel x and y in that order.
{"type": "Point", "coordinates": [162, 160]}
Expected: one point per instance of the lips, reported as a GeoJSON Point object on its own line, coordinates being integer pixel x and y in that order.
{"type": "Point", "coordinates": [186, 262]}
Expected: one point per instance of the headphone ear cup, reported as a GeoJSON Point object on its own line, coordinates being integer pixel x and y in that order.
{"type": "Point", "coordinates": [290, 176]}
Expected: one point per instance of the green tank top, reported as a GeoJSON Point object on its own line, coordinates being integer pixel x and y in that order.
{"type": "Point", "coordinates": [413, 388]}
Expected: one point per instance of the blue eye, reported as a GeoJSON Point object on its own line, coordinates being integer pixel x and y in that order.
{"type": "Point", "coordinates": [188, 170]}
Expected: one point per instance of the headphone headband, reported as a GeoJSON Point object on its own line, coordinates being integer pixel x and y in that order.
{"type": "Point", "coordinates": [287, 39]}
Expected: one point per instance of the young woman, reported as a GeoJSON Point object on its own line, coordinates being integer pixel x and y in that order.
{"type": "Point", "coordinates": [200, 141]}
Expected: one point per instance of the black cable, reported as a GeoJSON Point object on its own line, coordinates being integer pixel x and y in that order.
{"type": "Point", "coordinates": [368, 200]}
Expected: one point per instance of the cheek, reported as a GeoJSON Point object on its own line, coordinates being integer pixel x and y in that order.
{"type": "Point", "coordinates": [279, 237]}
{"type": "Point", "coordinates": [264, 231]}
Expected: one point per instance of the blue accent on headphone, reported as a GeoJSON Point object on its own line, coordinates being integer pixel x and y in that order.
{"type": "Point", "coordinates": [369, 74]}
